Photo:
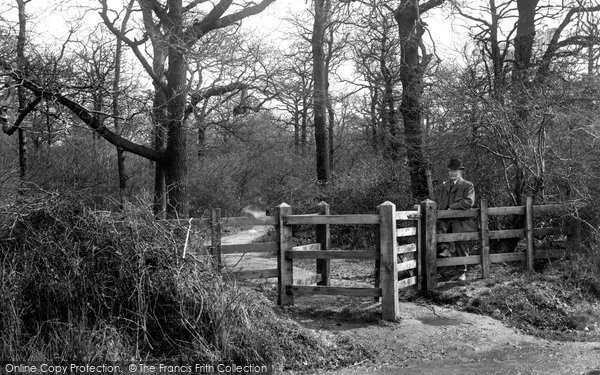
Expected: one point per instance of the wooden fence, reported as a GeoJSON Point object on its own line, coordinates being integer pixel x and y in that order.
{"type": "Point", "coordinates": [483, 235]}
{"type": "Point", "coordinates": [413, 262]}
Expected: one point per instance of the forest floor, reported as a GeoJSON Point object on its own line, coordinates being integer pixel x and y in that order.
{"type": "Point", "coordinates": [427, 338]}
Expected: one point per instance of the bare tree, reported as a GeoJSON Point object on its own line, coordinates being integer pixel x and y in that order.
{"type": "Point", "coordinates": [376, 51]}
{"type": "Point", "coordinates": [322, 11]}
{"type": "Point", "coordinates": [173, 29]}
{"type": "Point", "coordinates": [23, 107]}
{"type": "Point", "coordinates": [414, 60]}
{"type": "Point", "coordinates": [116, 108]}
{"type": "Point", "coordinates": [521, 69]}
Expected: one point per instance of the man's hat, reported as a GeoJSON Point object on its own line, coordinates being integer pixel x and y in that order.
{"type": "Point", "coordinates": [455, 164]}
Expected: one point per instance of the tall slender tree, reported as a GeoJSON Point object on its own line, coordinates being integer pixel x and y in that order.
{"type": "Point", "coordinates": [322, 11]}
{"type": "Point", "coordinates": [414, 60]}
{"type": "Point", "coordinates": [116, 108]}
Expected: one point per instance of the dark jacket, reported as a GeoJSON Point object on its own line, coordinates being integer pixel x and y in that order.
{"type": "Point", "coordinates": [458, 196]}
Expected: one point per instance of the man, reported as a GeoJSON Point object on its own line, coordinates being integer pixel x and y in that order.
{"type": "Point", "coordinates": [457, 194]}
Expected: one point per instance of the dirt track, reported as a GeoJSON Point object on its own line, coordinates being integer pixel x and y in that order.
{"type": "Point", "coordinates": [435, 340]}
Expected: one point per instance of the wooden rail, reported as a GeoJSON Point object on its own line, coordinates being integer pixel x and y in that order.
{"type": "Point", "coordinates": [256, 274]}
{"type": "Point", "coordinates": [298, 290]}
{"type": "Point", "coordinates": [248, 221]}
{"type": "Point", "coordinates": [332, 254]}
{"type": "Point", "coordinates": [406, 232]}
{"type": "Point", "coordinates": [332, 219]}
{"type": "Point", "coordinates": [266, 247]}
{"type": "Point", "coordinates": [431, 238]}
{"type": "Point", "coordinates": [500, 258]}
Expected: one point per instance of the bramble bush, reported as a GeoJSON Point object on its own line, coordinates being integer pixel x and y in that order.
{"type": "Point", "coordinates": [78, 284]}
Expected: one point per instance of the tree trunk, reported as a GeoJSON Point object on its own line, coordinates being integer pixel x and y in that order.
{"type": "Point", "coordinates": [524, 40]}
{"type": "Point", "coordinates": [296, 125]}
{"type": "Point", "coordinates": [116, 107]}
{"type": "Point", "coordinates": [375, 133]}
{"type": "Point", "coordinates": [201, 138]}
{"type": "Point", "coordinates": [159, 144]}
{"type": "Point", "coordinates": [174, 165]}
{"type": "Point", "coordinates": [411, 74]}
{"type": "Point", "coordinates": [21, 64]}
{"type": "Point", "coordinates": [394, 142]}
{"type": "Point", "coordinates": [330, 129]}
{"type": "Point", "coordinates": [320, 92]}
{"type": "Point", "coordinates": [330, 112]}
{"type": "Point", "coordinates": [304, 124]}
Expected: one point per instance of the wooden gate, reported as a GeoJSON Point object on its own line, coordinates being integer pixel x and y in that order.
{"type": "Point", "coordinates": [396, 265]}
{"type": "Point", "coordinates": [409, 247]}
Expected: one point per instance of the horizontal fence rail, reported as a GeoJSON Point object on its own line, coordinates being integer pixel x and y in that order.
{"type": "Point", "coordinates": [298, 290]}
{"type": "Point", "coordinates": [256, 274]}
{"type": "Point", "coordinates": [265, 247]}
{"type": "Point", "coordinates": [408, 248]}
{"type": "Point", "coordinates": [248, 221]}
{"type": "Point", "coordinates": [408, 215]}
{"type": "Point", "coordinates": [406, 232]}
{"type": "Point", "coordinates": [499, 211]}
{"type": "Point", "coordinates": [332, 254]}
{"type": "Point", "coordinates": [332, 219]}
{"type": "Point", "coordinates": [499, 258]}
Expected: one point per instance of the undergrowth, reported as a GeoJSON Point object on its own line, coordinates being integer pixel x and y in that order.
{"type": "Point", "coordinates": [560, 301]}
{"type": "Point", "coordinates": [78, 284]}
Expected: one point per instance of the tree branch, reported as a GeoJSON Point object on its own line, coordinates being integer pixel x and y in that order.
{"type": "Point", "coordinates": [212, 91]}
{"type": "Point", "coordinates": [423, 8]}
{"type": "Point", "coordinates": [191, 5]}
{"type": "Point", "coordinates": [84, 115]}
{"type": "Point", "coordinates": [554, 44]}
{"type": "Point", "coordinates": [160, 12]}
{"type": "Point", "coordinates": [30, 107]}
{"type": "Point", "coordinates": [134, 45]}
{"type": "Point", "coordinates": [209, 23]}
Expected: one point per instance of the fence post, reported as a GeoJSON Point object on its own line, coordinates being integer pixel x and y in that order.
{"type": "Point", "coordinates": [215, 237]}
{"type": "Point", "coordinates": [529, 232]}
{"type": "Point", "coordinates": [485, 240]}
{"type": "Point", "coordinates": [285, 266]}
{"type": "Point", "coordinates": [389, 261]}
{"type": "Point", "coordinates": [418, 256]}
{"type": "Point", "coordinates": [429, 243]}
{"type": "Point", "coordinates": [324, 238]}
{"type": "Point", "coordinates": [377, 275]}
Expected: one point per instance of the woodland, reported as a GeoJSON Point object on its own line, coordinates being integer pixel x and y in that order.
{"type": "Point", "coordinates": [136, 110]}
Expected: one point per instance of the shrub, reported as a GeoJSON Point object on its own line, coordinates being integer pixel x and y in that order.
{"type": "Point", "coordinates": [84, 285]}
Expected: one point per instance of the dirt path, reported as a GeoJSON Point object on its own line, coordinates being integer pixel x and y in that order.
{"type": "Point", "coordinates": [435, 340]}
{"type": "Point", "coordinates": [427, 339]}
{"type": "Point", "coordinates": [254, 261]}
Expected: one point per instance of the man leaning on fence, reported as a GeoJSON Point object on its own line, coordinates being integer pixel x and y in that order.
{"type": "Point", "coordinates": [456, 194]}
